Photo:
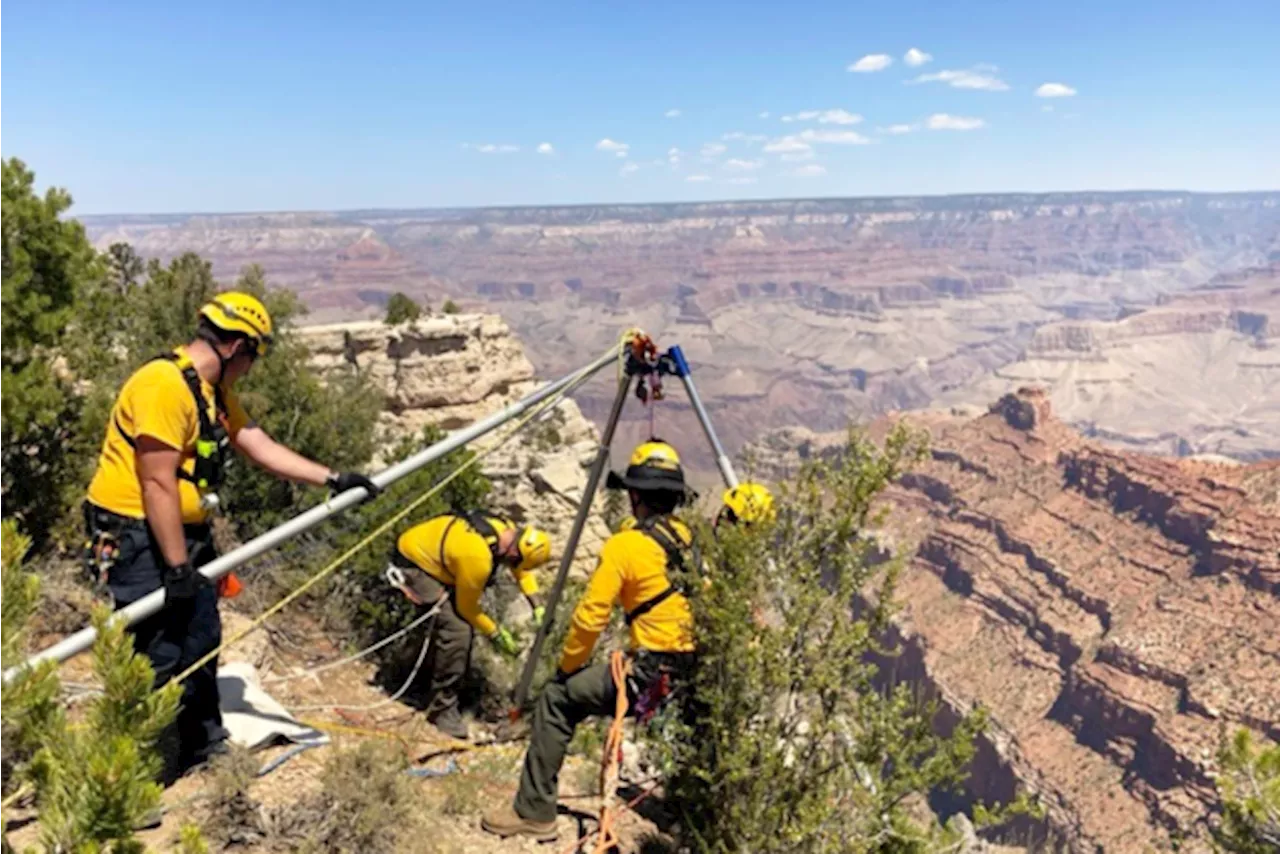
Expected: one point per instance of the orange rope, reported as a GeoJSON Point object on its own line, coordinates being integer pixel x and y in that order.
{"type": "Point", "coordinates": [619, 667]}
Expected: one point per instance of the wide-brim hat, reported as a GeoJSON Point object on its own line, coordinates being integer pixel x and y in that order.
{"type": "Point", "coordinates": [654, 465]}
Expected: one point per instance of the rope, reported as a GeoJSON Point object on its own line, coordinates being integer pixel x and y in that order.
{"type": "Point", "coordinates": [619, 667]}
{"type": "Point", "coordinates": [257, 622]}
{"type": "Point", "coordinates": [392, 638]}
{"type": "Point", "coordinates": [413, 674]}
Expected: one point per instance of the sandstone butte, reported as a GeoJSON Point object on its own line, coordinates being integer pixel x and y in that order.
{"type": "Point", "coordinates": [1111, 610]}
{"type": "Point", "coordinates": [452, 370]}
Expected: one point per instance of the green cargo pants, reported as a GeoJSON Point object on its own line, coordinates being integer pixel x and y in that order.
{"type": "Point", "coordinates": [565, 703]}
{"type": "Point", "coordinates": [449, 656]}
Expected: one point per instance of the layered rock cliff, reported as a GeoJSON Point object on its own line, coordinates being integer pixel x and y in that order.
{"type": "Point", "coordinates": [1111, 610]}
{"type": "Point", "coordinates": [792, 311]}
{"type": "Point", "coordinates": [1198, 373]}
{"type": "Point", "coordinates": [452, 370]}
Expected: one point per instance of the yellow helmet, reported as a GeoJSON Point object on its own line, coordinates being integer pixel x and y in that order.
{"type": "Point", "coordinates": [654, 465]}
{"type": "Point", "coordinates": [239, 312]}
{"type": "Point", "coordinates": [535, 548]}
{"type": "Point", "coordinates": [749, 502]}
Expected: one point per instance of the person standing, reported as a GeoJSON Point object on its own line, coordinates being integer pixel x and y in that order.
{"type": "Point", "coordinates": [168, 440]}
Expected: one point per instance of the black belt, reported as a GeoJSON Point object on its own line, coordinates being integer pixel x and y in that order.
{"type": "Point", "coordinates": [101, 519]}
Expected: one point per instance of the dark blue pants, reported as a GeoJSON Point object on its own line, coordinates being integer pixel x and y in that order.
{"type": "Point", "coordinates": [177, 636]}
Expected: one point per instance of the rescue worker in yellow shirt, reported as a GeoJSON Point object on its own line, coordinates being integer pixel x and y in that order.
{"type": "Point", "coordinates": [634, 570]}
{"type": "Point", "coordinates": [455, 556]}
{"type": "Point", "coordinates": [748, 503]}
{"type": "Point", "coordinates": [168, 440]}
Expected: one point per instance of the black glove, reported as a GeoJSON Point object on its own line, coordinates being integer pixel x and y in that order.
{"type": "Point", "coordinates": [340, 482]}
{"type": "Point", "coordinates": [181, 583]}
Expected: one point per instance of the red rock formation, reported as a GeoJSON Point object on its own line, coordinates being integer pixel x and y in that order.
{"type": "Point", "coordinates": [1111, 610]}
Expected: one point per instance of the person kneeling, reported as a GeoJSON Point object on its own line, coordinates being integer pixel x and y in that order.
{"type": "Point", "coordinates": [633, 569]}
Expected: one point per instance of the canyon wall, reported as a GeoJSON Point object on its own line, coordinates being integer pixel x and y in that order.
{"type": "Point", "coordinates": [792, 312]}
{"type": "Point", "coordinates": [1111, 610]}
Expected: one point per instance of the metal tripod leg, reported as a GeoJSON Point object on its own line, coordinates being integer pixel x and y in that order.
{"type": "Point", "coordinates": [686, 377]}
{"type": "Point", "coordinates": [571, 545]}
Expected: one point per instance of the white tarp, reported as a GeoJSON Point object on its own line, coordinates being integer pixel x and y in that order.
{"type": "Point", "coordinates": [254, 719]}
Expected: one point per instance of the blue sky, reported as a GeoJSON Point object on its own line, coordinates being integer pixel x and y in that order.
{"type": "Point", "coordinates": [157, 107]}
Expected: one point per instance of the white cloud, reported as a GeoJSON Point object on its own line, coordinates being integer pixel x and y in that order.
{"type": "Point", "coordinates": [811, 170]}
{"type": "Point", "coordinates": [836, 137]}
{"type": "Point", "coordinates": [621, 154]}
{"type": "Point", "coordinates": [797, 156]}
{"type": "Point", "coordinates": [607, 144]}
{"type": "Point", "coordinates": [787, 145]}
{"type": "Point", "coordinates": [838, 117]}
{"type": "Point", "coordinates": [944, 121]}
{"type": "Point", "coordinates": [628, 168]}
{"type": "Point", "coordinates": [834, 116]}
{"type": "Point", "coordinates": [743, 179]}
{"type": "Point", "coordinates": [979, 77]}
{"type": "Point", "coordinates": [896, 130]}
{"type": "Point", "coordinates": [764, 114]}
{"type": "Point", "coordinates": [672, 114]}
{"type": "Point", "coordinates": [1054, 90]}
{"type": "Point", "coordinates": [697, 179]}
{"type": "Point", "coordinates": [493, 148]}
{"type": "Point", "coordinates": [713, 149]}
{"type": "Point", "coordinates": [916, 57]}
{"type": "Point", "coordinates": [739, 136]}
{"type": "Point", "coordinates": [737, 164]}
{"type": "Point", "coordinates": [872, 62]}
{"type": "Point", "coordinates": [546, 148]}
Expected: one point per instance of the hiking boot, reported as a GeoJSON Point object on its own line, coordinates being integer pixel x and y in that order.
{"type": "Point", "coordinates": [505, 821]}
{"type": "Point", "coordinates": [450, 722]}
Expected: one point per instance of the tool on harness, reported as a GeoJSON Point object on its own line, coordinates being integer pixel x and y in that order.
{"type": "Point", "coordinates": [213, 443]}
{"type": "Point", "coordinates": [101, 548]}
{"type": "Point", "coordinates": [660, 530]}
{"type": "Point", "coordinates": [652, 697]}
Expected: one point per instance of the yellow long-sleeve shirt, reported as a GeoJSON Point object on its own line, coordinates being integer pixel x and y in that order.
{"type": "Point", "coordinates": [632, 570]}
{"type": "Point", "coordinates": [466, 567]}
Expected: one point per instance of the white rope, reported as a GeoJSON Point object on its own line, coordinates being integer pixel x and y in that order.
{"type": "Point", "coordinates": [392, 638]}
{"type": "Point", "coordinates": [422, 655]}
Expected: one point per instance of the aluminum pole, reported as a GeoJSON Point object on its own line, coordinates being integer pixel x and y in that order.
{"type": "Point", "coordinates": [722, 459]}
{"type": "Point", "coordinates": [571, 545]}
{"type": "Point", "coordinates": [151, 603]}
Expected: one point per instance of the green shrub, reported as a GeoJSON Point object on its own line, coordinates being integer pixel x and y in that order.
{"type": "Point", "coordinates": [1249, 785]}
{"type": "Point", "coordinates": [47, 264]}
{"type": "Point", "coordinates": [450, 307]}
{"type": "Point", "coordinates": [30, 702]}
{"type": "Point", "coordinates": [401, 309]}
{"type": "Point", "coordinates": [789, 743]}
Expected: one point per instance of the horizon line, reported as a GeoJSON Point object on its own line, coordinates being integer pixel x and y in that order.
{"type": "Point", "coordinates": [747, 201]}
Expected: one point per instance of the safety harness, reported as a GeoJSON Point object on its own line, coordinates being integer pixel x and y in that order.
{"type": "Point", "coordinates": [474, 519]}
{"type": "Point", "coordinates": [660, 530]}
{"type": "Point", "coordinates": [213, 444]}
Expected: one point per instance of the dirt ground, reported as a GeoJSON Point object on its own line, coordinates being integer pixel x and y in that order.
{"type": "Point", "coordinates": [444, 817]}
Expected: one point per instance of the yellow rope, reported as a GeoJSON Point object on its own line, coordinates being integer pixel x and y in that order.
{"type": "Point", "coordinates": [383, 528]}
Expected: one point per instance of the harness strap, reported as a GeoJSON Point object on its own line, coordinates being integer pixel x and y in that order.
{"type": "Point", "coordinates": [658, 529]}
{"type": "Point", "coordinates": [209, 431]}
{"type": "Point", "coordinates": [479, 523]}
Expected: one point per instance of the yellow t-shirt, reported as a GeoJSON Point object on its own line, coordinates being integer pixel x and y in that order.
{"type": "Point", "coordinates": [632, 570]}
{"type": "Point", "coordinates": [468, 563]}
{"type": "Point", "coordinates": [156, 402]}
